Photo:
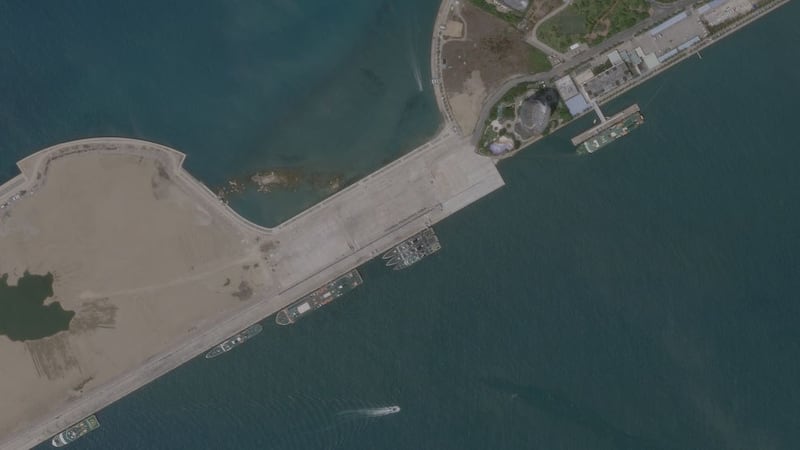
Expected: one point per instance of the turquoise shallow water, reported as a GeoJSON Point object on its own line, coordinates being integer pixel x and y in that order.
{"type": "Point", "coordinates": [641, 298]}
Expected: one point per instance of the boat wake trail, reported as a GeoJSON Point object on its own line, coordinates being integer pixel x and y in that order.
{"type": "Point", "coordinates": [412, 54]}
{"type": "Point", "coordinates": [307, 421]}
{"type": "Point", "coordinates": [370, 412]}
{"type": "Point", "coordinates": [415, 68]}
{"type": "Point", "coordinates": [417, 73]}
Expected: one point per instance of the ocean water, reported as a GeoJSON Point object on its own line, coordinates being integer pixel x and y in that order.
{"type": "Point", "coordinates": [339, 87]}
{"type": "Point", "coordinates": [641, 298]}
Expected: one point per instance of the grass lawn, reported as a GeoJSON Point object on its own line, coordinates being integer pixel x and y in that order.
{"type": "Point", "coordinates": [563, 30]}
{"type": "Point", "coordinates": [537, 61]}
{"type": "Point", "coordinates": [507, 113]}
{"type": "Point", "coordinates": [591, 21]}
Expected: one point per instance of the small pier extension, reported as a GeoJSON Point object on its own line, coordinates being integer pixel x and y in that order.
{"type": "Point", "coordinates": [594, 131]}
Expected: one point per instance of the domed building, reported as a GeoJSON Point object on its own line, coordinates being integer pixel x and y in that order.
{"type": "Point", "coordinates": [535, 111]}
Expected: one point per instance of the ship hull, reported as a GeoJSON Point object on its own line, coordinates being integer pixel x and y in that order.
{"type": "Point", "coordinates": [412, 250]}
{"type": "Point", "coordinates": [234, 341]}
{"type": "Point", "coordinates": [75, 432]}
{"type": "Point", "coordinates": [614, 132]}
{"type": "Point", "coordinates": [319, 298]}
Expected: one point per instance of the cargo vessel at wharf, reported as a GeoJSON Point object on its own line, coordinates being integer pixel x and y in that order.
{"type": "Point", "coordinates": [76, 431]}
{"type": "Point", "coordinates": [608, 132]}
{"type": "Point", "coordinates": [413, 249]}
{"type": "Point", "coordinates": [319, 298]}
{"type": "Point", "coordinates": [234, 341]}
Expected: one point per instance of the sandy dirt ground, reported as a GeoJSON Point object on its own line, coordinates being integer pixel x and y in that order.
{"type": "Point", "coordinates": [467, 103]}
{"type": "Point", "coordinates": [491, 48]}
{"type": "Point", "coordinates": [539, 9]}
{"type": "Point", "coordinates": [135, 255]}
{"type": "Point", "coordinates": [159, 270]}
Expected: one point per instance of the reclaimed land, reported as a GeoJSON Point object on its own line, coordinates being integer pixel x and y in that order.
{"type": "Point", "coordinates": [118, 206]}
{"type": "Point", "coordinates": [158, 269]}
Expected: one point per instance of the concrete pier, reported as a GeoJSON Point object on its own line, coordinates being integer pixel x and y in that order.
{"type": "Point", "coordinates": [333, 237]}
{"type": "Point", "coordinates": [594, 131]}
{"type": "Point", "coordinates": [592, 102]}
{"type": "Point", "coordinates": [229, 272]}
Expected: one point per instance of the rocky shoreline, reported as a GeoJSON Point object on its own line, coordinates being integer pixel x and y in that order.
{"type": "Point", "coordinates": [281, 179]}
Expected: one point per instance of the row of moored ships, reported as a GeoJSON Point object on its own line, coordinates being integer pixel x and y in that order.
{"type": "Point", "coordinates": [401, 256]}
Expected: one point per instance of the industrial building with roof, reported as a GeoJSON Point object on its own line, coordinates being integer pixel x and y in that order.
{"type": "Point", "coordinates": [573, 99]}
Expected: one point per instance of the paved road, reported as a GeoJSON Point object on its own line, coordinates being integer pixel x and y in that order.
{"type": "Point", "coordinates": [533, 39]}
{"type": "Point", "coordinates": [333, 237]}
{"type": "Point", "coordinates": [437, 42]}
{"type": "Point", "coordinates": [659, 15]}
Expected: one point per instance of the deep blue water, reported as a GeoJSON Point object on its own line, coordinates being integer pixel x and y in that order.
{"type": "Point", "coordinates": [641, 298]}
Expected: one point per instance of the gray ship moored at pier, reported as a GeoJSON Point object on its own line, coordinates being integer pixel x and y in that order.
{"type": "Point", "coordinates": [234, 341]}
{"type": "Point", "coordinates": [413, 249]}
{"type": "Point", "coordinates": [319, 297]}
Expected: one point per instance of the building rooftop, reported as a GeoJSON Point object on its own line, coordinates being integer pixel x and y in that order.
{"type": "Point", "coordinates": [566, 87]}
{"type": "Point", "coordinates": [576, 105]}
{"type": "Point", "coordinates": [519, 5]}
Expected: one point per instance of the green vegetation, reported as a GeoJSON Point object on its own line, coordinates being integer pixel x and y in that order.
{"type": "Point", "coordinates": [489, 134]}
{"type": "Point", "coordinates": [537, 61]}
{"type": "Point", "coordinates": [511, 17]}
{"type": "Point", "coordinates": [23, 314]}
{"type": "Point", "coordinates": [507, 113]}
{"type": "Point", "coordinates": [563, 30]}
{"type": "Point", "coordinates": [515, 92]}
{"type": "Point", "coordinates": [563, 112]}
{"type": "Point", "coordinates": [597, 70]}
{"type": "Point", "coordinates": [591, 21]}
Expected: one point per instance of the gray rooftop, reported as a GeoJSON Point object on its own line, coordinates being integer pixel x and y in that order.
{"type": "Point", "coordinates": [519, 5]}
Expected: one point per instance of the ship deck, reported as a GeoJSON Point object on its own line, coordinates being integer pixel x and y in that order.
{"type": "Point", "coordinates": [613, 120]}
{"type": "Point", "coordinates": [195, 275]}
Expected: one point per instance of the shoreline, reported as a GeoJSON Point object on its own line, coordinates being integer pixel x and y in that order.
{"type": "Point", "coordinates": [215, 329]}
{"type": "Point", "coordinates": [323, 242]}
{"type": "Point", "coordinates": [731, 28]}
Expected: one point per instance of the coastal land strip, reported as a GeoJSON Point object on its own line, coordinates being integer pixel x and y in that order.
{"type": "Point", "coordinates": [584, 56]}
{"type": "Point", "coordinates": [158, 269]}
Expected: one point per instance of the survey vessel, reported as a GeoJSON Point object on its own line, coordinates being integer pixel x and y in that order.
{"type": "Point", "coordinates": [75, 431]}
{"type": "Point", "coordinates": [233, 341]}
{"type": "Point", "coordinates": [319, 298]}
{"type": "Point", "coordinates": [413, 249]}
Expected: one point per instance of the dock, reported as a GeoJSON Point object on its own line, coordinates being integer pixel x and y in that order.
{"type": "Point", "coordinates": [270, 268]}
{"type": "Point", "coordinates": [594, 131]}
{"type": "Point", "coordinates": [413, 250]}
{"type": "Point", "coordinates": [593, 103]}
